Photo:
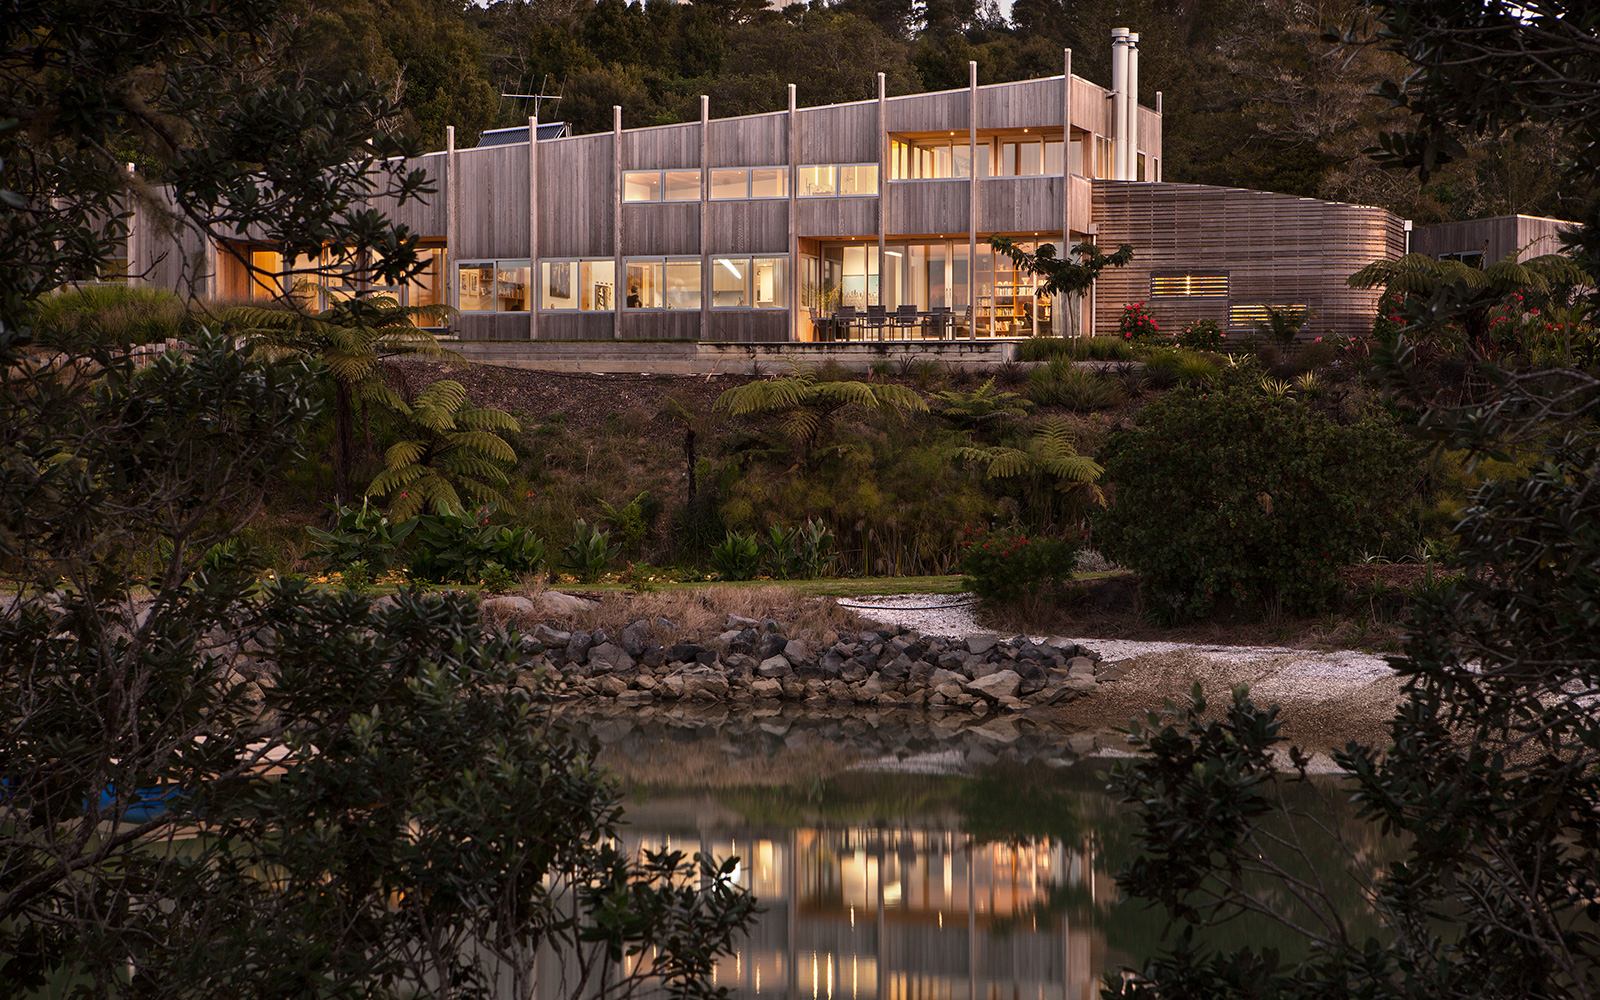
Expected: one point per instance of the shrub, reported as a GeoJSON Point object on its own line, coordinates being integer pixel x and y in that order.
{"type": "Point", "coordinates": [631, 522]}
{"type": "Point", "coordinates": [591, 551]}
{"type": "Point", "coordinates": [1283, 325]}
{"type": "Point", "coordinates": [1168, 366]}
{"type": "Point", "coordinates": [363, 543]}
{"type": "Point", "coordinates": [1228, 494]}
{"type": "Point", "coordinates": [462, 547]}
{"type": "Point", "coordinates": [1009, 564]}
{"type": "Point", "coordinates": [737, 557]}
{"type": "Point", "coordinates": [113, 314]}
{"type": "Point", "coordinates": [1061, 383]}
{"type": "Point", "coordinates": [1137, 324]}
{"type": "Point", "coordinates": [1037, 348]}
{"type": "Point", "coordinates": [1202, 335]}
{"type": "Point", "coordinates": [798, 553]}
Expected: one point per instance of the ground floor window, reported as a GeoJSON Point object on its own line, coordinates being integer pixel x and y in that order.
{"type": "Point", "coordinates": [662, 283]}
{"type": "Point", "coordinates": [750, 283]}
{"type": "Point", "coordinates": [335, 275]}
{"type": "Point", "coordinates": [493, 286]}
{"type": "Point", "coordinates": [585, 285]}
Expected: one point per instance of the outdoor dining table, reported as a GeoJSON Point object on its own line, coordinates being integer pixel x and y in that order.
{"type": "Point", "coordinates": [839, 325]}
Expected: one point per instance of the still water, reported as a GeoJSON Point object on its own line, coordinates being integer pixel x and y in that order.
{"type": "Point", "coordinates": [908, 857]}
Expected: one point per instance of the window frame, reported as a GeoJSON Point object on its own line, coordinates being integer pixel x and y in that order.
{"type": "Point", "coordinates": [661, 262]}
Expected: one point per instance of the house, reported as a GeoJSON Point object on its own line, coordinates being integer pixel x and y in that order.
{"type": "Point", "coordinates": [773, 228]}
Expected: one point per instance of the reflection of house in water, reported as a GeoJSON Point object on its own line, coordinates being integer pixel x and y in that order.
{"type": "Point", "coordinates": [859, 913]}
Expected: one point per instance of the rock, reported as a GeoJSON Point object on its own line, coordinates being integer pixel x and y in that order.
{"type": "Point", "coordinates": [683, 652]}
{"type": "Point", "coordinates": [839, 691]}
{"type": "Point", "coordinates": [1033, 677]}
{"type": "Point", "coordinates": [738, 663]}
{"type": "Point", "coordinates": [768, 646]}
{"type": "Point", "coordinates": [793, 688]}
{"type": "Point", "coordinates": [873, 685]}
{"type": "Point", "coordinates": [738, 622]}
{"type": "Point", "coordinates": [772, 626]}
{"type": "Point", "coordinates": [1010, 704]}
{"type": "Point", "coordinates": [1080, 666]}
{"type": "Point", "coordinates": [796, 652]}
{"type": "Point", "coordinates": [672, 686]}
{"type": "Point", "coordinates": [613, 685]}
{"type": "Point", "coordinates": [831, 664]}
{"type": "Point", "coordinates": [635, 698]}
{"type": "Point", "coordinates": [997, 731]}
{"type": "Point", "coordinates": [949, 691]}
{"type": "Point", "coordinates": [855, 669]}
{"type": "Point", "coordinates": [774, 667]}
{"type": "Point", "coordinates": [1108, 672]}
{"type": "Point", "coordinates": [501, 609]}
{"type": "Point", "coordinates": [551, 637]}
{"type": "Point", "coordinates": [608, 657]}
{"type": "Point", "coordinates": [704, 684]}
{"type": "Point", "coordinates": [1000, 684]}
{"type": "Point", "coordinates": [764, 688]}
{"type": "Point", "coordinates": [980, 644]}
{"type": "Point", "coordinates": [706, 658]}
{"type": "Point", "coordinates": [636, 638]}
{"type": "Point", "coordinates": [952, 660]}
{"type": "Point", "coordinates": [897, 670]}
{"type": "Point", "coordinates": [653, 657]}
{"type": "Point", "coordinates": [553, 602]}
{"type": "Point", "coordinates": [727, 640]}
{"type": "Point", "coordinates": [578, 647]}
{"type": "Point", "coordinates": [644, 682]}
{"type": "Point", "coordinates": [1066, 647]}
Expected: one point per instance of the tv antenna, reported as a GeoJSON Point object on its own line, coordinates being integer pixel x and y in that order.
{"type": "Point", "coordinates": [540, 97]}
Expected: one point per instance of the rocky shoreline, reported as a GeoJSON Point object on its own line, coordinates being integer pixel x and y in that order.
{"type": "Point", "coordinates": [757, 661]}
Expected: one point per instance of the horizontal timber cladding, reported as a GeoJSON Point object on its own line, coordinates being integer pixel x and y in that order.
{"type": "Point", "coordinates": [753, 141]}
{"type": "Point", "coordinates": [842, 133]}
{"type": "Point", "coordinates": [575, 203]}
{"type": "Point", "coordinates": [1275, 249]}
{"type": "Point", "coordinates": [493, 202]}
{"type": "Point", "coordinates": [928, 207]}
{"type": "Point", "coordinates": [668, 148]}
{"type": "Point", "coordinates": [425, 215]}
{"type": "Point", "coordinates": [755, 326]}
{"type": "Point", "coordinates": [943, 112]}
{"type": "Point", "coordinates": [837, 217]}
{"type": "Point", "coordinates": [493, 326]}
{"type": "Point", "coordinates": [661, 229]}
{"type": "Point", "coordinates": [1031, 104]}
{"type": "Point", "coordinates": [575, 325]}
{"type": "Point", "coordinates": [1525, 235]}
{"type": "Point", "coordinates": [747, 227]}
{"type": "Point", "coordinates": [1020, 204]}
{"type": "Point", "coordinates": [666, 325]}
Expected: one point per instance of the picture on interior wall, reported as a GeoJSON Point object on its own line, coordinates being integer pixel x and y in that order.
{"type": "Point", "coordinates": [561, 281]}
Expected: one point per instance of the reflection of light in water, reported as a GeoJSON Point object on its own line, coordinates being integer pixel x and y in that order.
{"type": "Point", "coordinates": [891, 894]}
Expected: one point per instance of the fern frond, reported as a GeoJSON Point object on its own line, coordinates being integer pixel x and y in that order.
{"type": "Point", "coordinates": [484, 443]}
{"type": "Point", "coordinates": [487, 418]}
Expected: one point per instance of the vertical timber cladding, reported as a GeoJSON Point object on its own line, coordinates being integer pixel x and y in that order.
{"type": "Point", "coordinates": [493, 224]}
{"type": "Point", "coordinates": [1275, 249]}
{"type": "Point", "coordinates": [575, 220]}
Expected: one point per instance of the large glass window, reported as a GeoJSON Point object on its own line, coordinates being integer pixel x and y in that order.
{"type": "Point", "coordinates": [769, 182]}
{"type": "Point", "coordinates": [750, 282]}
{"type": "Point", "coordinates": [858, 178]}
{"type": "Point", "coordinates": [475, 287]}
{"type": "Point", "coordinates": [585, 285]}
{"type": "Point", "coordinates": [493, 286]}
{"type": "Point", "coordinates": [729, 184]}
{"type": "Point", "coordinates": [657, 283]}
{"type": "Point", "coordinates": [641, 185]}
{"type": "Point", "coordinates": [929, 159]}
{"type": "Point", "coordinates": [682, 185]}
{"type": "Point", "coordinates": [817, 181]}
{"type": "Point", "coordinates": [769, 277]}
{"type": "Point", "coordinates": [730, 282]}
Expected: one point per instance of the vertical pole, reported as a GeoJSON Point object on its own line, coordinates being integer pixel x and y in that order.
{"type": "Point", "coordinates": [130, 255]}
{"type": "Point", "coordinates": [535, 286]}
{"type": "Point", "coordinates": [795, 329]}
{"type": "Point", "coordinates": [452, 218]}
{"type": "Point", "coordinates": [972, 202]}
{"type": "Point", "coordinates": [705, 217]}
{"type": "Point", "coordinates": [618, 282]}
{"type": "Point", "coordinates": [1063, 314]}
{"type": "Point", "coordinates": [883, 184]}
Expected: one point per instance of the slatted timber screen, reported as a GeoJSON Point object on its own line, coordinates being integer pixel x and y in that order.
{"type": "Point", "coordinates": [1249, 316]}
{"type": "Point", "coordinates": [1188, 284]}
{"type": "Point", "coordinates": [1275, 249]}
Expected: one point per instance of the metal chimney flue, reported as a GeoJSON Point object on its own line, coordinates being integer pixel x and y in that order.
{"type": "Point", "coordinates": [1130, 163]}
{"type": "Point", "coordinates": [1119, 100]}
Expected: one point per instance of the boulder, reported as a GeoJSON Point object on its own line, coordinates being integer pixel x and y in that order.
{"type": "Point", "coordinates": [671, 687]}
{"type": "Point", "coordinates": [981, 644]}
{"type": "Point", "coordinates": [578, 646]}
{"type": "Point", "coordinates": [653, 657]}
{"type": "Point", "coordinates": [737, 622]}
{"type": "Point", "coordinates": [764, 688]}
{"type": "Point", "coordinates": [612, 685]}
{"type": "Point", "coordinates": [793, 688]}
{"type": "Point", "coordinates": [897, 670]}
{"type": "Point", "coordinates": [635, 698]}
{"type": "Point", "coordinates": [855, 669]}
{"type": "Point", "coordinates": [1000, 684]}
{"type": "Point", "coordinates": [608, 658]}
{"type": "Point", "coordinates": [683, 652]}
{"type": "Point", "coordinates": [941, 676]}
{"type": "Point", "coordinates": [1081, 667]}
{"type": "Point", "coordinates": [796, 652]}
{"type": "Point", "coordinates": [831, 664]}
{"type": "Point", "coordinates": [774, 667]}
{"type": "Point", "coordinates": [704, 684]}
{"type": "Point", "coordinates": [551, 637]}
{"type": "Point", "coordinates": [635, 638]}
{"type": "Point", "coordinates": [553, 602]}
{"type": "Point", "coordinates": [769, 645]}
{"type": "Point", "coordinates": [501, 609]}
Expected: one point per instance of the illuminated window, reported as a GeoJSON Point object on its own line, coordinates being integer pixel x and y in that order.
{"type": "Point", "coordinates": [493, 286]}
{"type": "Point", "coordinates": [1254, 314]}
{"type": "Point", "coordinates": [584, 285]}
{"type": "Point", "coordinates": [1191, 285]}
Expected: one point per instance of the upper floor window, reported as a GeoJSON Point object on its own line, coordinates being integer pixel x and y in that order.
{"type": "Point", "coordinates": [930, 159]}
{"type": "Point", "coordinates": [661, 185]}
{"type": "Point", "coordinates": [725, 184]}
{"type": "Point", "coordinates": [842, 179]}
{"type": "Point", "coordinates": [731, 183]}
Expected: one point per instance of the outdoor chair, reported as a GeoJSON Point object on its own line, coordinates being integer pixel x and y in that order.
{"type": "Point", "coordinates": [877, 320]}
{"type": "Point", "coordinates": [939, 319]}
{"type": "Point", "coordinates": [844, 320]}
{"type": "Point", "coordinates": [905, 320]}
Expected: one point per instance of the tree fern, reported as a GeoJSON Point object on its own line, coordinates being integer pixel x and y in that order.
{"type": "Point", "coordinates": [1053, 466]}
{"type": "Point", "coordinates": [448, 449]}
{"type": "Point", "coordinates": [802, 409]}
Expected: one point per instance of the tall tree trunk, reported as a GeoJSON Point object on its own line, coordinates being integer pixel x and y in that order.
{"type": "Point", "coordinates": [343, 441]}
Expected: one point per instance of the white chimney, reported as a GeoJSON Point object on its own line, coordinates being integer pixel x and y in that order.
{"type": "Point", "coordinates": [1119, 102]}
{"type": "Point", "coordinates": [1131, 166]}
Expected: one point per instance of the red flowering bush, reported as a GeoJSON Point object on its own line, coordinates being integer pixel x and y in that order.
{"type": "Point", "coordinates": [1007, 564]}
{"type": "Point", "coordinates": [1136, 323]}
